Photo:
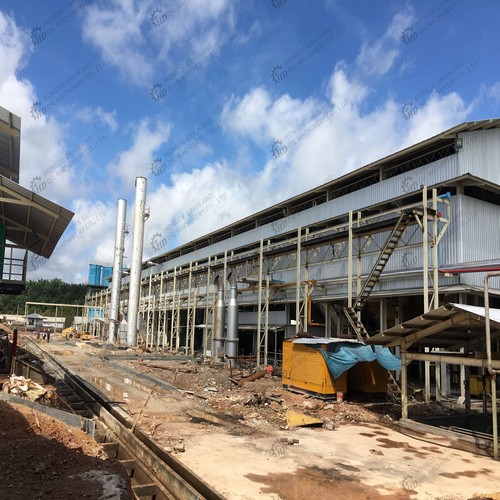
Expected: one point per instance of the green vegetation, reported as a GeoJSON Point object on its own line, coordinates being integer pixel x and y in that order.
{"type": "Point", "coordinates": [54, 291]}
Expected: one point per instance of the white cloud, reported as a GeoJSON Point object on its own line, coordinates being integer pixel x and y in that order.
{"type": "Point", "coordinates": [378, 57]}
{"type": "Point", "coordinates": [221, 196]}
{"type": "Point", "coordinates": [257, 116]}
{"type": "Point", "coordinates": [116, 31]}
{"type": "Point", "coordinates": [135, 36]}
{"type": "Point", "coordinates": [89, 115]}
{"type": "Point", "coordinates": [136, 161]}
{"type": "Point", "coordinates": [14, 47]}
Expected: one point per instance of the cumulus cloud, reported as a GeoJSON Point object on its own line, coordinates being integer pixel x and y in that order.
{"type": "Point", "coordinates": [115, 29]}
{"type": "Point", "coordinates": [89, 115]}
{"type": "Point", "coordinates": [135, 36]}
{"type": "Point", "coordinates": [377, 57]}
{"type": "Point", "coordinates": [136, 161]}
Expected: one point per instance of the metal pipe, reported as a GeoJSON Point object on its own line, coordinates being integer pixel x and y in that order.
{"type": "Point", "coordinates": [116, 282]}
{"type": "Point", "coordinates": [491, 371]}
{"type": "Point", "coordinates": [219, 321]}
{"type": "Point", "coordinates": [232, 320]}
{"type": "Point", "coordinates": [136, 261]}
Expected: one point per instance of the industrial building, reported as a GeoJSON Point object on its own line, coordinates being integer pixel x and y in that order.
{"type": "Point", "coordinates": [350, 258]}
{"type": "Point", "coordinates": [28, 221]}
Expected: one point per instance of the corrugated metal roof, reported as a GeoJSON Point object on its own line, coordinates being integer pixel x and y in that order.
{"type": "Point", "coordinates": [279, 211]}
{"type": "Point", "coordinates": [32, 221]}
{"type": "Point", "coordinates": [448, 326]}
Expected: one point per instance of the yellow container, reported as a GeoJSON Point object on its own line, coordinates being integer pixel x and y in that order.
{"type": "Point", "coordinates": [476, 385]}
{"type": "Point", "coordinates": [305, 370]}
{"type": "Point", "coordinates": [367, 377]}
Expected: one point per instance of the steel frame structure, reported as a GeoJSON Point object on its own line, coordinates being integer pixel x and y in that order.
{"type": "Point", "coordinates": [171, 300]}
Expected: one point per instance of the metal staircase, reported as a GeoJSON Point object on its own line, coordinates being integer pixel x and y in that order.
{"type": "Point", "coordinates": [393, 389]}
{"type": "Point", "coordinates": [352, 313]}
{"type": "Point", "coordinates": [355, 323]}
{"type": "Point", "coordinates": [385, 254]}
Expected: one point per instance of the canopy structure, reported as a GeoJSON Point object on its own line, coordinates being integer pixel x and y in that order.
{"type": "Point", "coordinates": [452, 326]}
{"type": "Point", "coordinates": [453, 334]}
{"type": "Point", "coordinates": [31, 221]}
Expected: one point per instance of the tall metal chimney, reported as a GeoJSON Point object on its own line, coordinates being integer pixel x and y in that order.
{"type": "Point", "coordinates": [232, 320]}
{"type": "Point", "coordinates": [116, 283]}
{"type": "Point", "coordinates": [136, 263]}
{"type": "Point", "coordinates": [219, 321]}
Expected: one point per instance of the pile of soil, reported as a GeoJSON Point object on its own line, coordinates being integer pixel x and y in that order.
{"type": "Point", "coordinates": [44, 459]}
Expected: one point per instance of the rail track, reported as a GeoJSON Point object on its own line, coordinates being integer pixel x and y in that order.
{"type": "Point", "coordinates": [155, 474]}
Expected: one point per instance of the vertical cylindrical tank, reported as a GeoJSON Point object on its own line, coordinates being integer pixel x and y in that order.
{"type": "Point", "coordinates": [232, 320]}
{"type": "Point", "coordinates": [219, 321]}
{"type": "Point", "coordinates": [136, 260]}
{"type": "Point", "coordinates": [116, 283]}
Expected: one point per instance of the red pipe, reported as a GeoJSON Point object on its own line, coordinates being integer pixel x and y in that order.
{"type": "Point", "coordinates": [469, 270]}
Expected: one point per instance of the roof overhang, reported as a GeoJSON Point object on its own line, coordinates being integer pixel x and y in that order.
{"type": "Point", "coordinates": [32, 221]}
{"type": "Point", "coordinates": [449, 327]}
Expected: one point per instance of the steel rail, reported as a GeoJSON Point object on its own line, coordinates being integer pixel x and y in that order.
{"type": "Point", "coordinates": [155, 473]}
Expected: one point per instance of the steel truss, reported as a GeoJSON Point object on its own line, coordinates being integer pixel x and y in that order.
{"type": "Point", "coordinates": [323, 263]}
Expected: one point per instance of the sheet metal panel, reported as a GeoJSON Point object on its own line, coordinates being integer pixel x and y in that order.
{"type": "Point", "coordinates": [33, 222]}
{"type": "Point", "coordinates": [433, 173]}
{"type": "Point", "coordinates": [480, 155]}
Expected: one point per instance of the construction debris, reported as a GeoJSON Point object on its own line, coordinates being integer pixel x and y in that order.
{"type": "Point", "coordinates": [253, 377]}
{"type": "Point", "coordinates": [295, 419]}
{"type": "Point", "coordinates": [24, 387]}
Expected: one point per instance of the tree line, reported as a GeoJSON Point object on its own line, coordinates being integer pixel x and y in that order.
{"type": "Point", "coordinates": [44, 290]}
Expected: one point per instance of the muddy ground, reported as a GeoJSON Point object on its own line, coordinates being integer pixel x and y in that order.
{"type": "Point", "coordinates": [44, 459]}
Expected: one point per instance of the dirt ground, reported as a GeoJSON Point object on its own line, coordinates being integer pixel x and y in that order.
{"type": "Point", "coordinates": [45, 459]}
{"type": "Point", "coordinates": [238, 439]}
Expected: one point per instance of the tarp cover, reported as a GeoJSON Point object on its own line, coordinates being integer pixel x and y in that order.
{"type": "Point", "coordinates": [340, 357]}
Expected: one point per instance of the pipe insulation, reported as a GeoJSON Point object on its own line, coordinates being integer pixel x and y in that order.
{"type": "Point", "coordinates": [116, 283]}
{"type": "Point", "coordinates": [219, 321]}
{"type": "Point", "coordinates": [136, 262]}
{"type": "Point", "coordinates": [232, 320]}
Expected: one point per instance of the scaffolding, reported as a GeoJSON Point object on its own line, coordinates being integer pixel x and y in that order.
{"type": "Point", "coordinates": [338, 263]}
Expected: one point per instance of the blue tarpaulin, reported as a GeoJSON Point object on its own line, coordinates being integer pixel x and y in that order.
{"type": "Point", "coordinates": [341, 356]}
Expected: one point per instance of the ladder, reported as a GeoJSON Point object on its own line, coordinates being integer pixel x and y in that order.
{"type": "Point", "coordinates": [385, 254]}
{"type": "Point", "coordinates": [355, 323]}
{"type": "Point", "coordinates": [393, 389]}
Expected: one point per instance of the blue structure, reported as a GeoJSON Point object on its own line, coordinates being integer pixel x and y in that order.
{"type": "Point", "coordinates": [99, 275]}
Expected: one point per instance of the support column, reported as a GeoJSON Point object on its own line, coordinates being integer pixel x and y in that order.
{"type": "Point", "coordinates": [136, 264]}
{"type": "Point", "coordinates": [404, 383]}
{"type": "Point", "coordinates": [116, 282]}
{"type": "Point", "coordinates": [425, 251]}
{"type": "Point", "coordinates": [297, 282]}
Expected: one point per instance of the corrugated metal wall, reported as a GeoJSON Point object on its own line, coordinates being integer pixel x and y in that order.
{"type": "Point", "coordinates": [481, 154]}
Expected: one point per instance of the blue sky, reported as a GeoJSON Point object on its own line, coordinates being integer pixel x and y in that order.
{"type": "Point", "coordinates": [225, 106]}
